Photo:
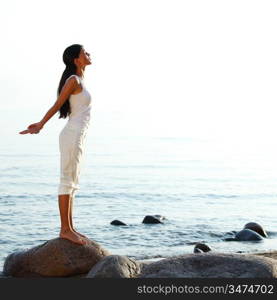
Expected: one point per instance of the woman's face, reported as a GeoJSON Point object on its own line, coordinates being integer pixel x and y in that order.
{"type": "Point", "coordinates": [83, 59]}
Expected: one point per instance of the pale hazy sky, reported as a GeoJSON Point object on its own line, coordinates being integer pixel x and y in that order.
{"type": "Point", "coordinates": [161, 68]}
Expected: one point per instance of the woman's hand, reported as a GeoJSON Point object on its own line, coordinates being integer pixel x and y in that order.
{"type": "Point", "coordinates": [33, 128]}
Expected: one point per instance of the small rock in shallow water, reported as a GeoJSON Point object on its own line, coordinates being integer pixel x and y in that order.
{"type": "Point", "coordinates": [200, 248]}
{"type": "Point", "coordinates": [153, 219]}
{"type": "Point", "coordinates": [248, 235]}
{"type": "Point", "coordinates": [117, 222]}
{"type": "Point", "coordinates": [256, 227]}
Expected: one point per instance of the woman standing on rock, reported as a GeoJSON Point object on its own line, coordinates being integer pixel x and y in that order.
{"type": "Point", "coordinates": [73, 101]}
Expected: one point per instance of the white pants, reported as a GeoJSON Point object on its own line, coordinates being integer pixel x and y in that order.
{"type": "Point", "coordinates": [71, 143]}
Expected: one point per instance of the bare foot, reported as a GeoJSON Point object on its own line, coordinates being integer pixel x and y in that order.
{"type": "Point", "coordinates": [81, 234]}
{"type": "Point", "coordinates": [72, 236]}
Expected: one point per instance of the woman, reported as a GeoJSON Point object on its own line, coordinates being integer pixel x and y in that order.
{"type": "Point", "coordinates": [73, 101]}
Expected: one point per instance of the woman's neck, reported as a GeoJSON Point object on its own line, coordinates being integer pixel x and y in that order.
{"type": "Point", "coordinates": [80, 72]}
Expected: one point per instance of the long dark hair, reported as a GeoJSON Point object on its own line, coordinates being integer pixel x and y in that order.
{"type": "Point", "coordinates": [69, 54]}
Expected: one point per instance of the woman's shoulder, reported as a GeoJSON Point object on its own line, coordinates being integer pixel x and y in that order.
{"type": "Point", "coordinates": [76, 77]}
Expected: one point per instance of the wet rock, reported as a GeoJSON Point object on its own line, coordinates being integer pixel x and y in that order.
{"type": "Point", "coordinates": [55, 258]}
{"type": "Point", "coordinates": [117, 222]}
{"type": "Point", "coordinates": [115, 266]}
{"type": "Point", "coordinates": [153, 219]}
{"type": "Point", "coordinates": [200, 248]}
{"type": "Point", "coordinates": [257, 228]}
{"type": "Point", "coordinates": [248, 235]}
{"type": "Point", "coordinates": [245, 235]}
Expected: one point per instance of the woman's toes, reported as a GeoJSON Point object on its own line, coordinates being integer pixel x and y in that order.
{"type": "Point", "coordinates": [73, 237]}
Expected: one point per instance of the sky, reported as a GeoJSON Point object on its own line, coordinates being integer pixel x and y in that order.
{"type": "Point", "coordinates": [168, 68]}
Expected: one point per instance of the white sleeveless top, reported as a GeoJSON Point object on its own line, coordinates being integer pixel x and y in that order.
{"type": "Point", "coordinates": [80, 105]}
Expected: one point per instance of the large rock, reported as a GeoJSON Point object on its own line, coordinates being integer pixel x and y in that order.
{"type": "Point", "coordinates": [211, 265]}
{"type": "Point", "coordinates": [115, 266]}
{"type": "Point", "coordinates": [55, 258]}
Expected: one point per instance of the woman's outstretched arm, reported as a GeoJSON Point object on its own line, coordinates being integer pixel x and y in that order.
{"type": "Point", "coordinates": [66, 91]}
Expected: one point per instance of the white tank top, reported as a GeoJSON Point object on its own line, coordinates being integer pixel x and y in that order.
{"type": "Point", "coordinates": [80, 105]}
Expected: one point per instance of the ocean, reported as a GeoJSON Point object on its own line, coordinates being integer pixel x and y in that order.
{"type": "Point", "coordinates": [204, 187]}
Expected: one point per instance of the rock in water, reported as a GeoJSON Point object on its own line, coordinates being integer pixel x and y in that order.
{"type": "Point", "coordinates": [248, 235]}
{"type": "Point", "coordinates": [55, 258]}
{"type": "Point", "coordinates": [115, 266]}
{"type": "Point", "coordinates": [200, 248]}
{"type": "Point", "coordinates": [256, 227]}
{"type": "Point", "coordinates": [155, 219]}
{"type": "Point", "coordinates": [211, 265]}
{"type": "Point", "coordinates": [117, 222]}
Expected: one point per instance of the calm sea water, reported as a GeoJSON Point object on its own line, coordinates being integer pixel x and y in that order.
{"type": "Point", "coordinates": [202, 187]}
